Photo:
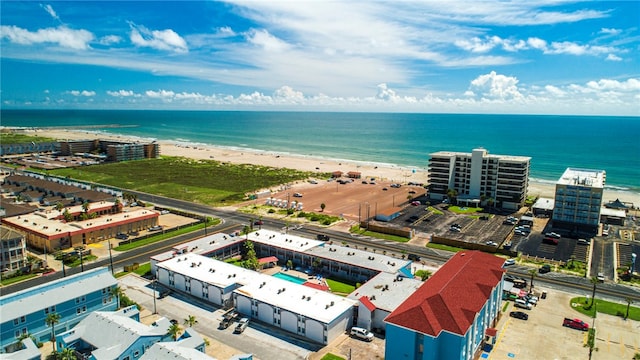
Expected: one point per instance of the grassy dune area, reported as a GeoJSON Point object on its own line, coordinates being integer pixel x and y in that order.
{"type": "Point", "coordinates": [201, 181]}
{"type": "Point", "coordinates": [14, 138]}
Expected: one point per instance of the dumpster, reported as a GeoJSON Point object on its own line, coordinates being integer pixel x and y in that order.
{"type": "Point", "coordinates": [544, 295]}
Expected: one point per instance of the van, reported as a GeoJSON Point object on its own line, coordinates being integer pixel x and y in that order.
{"type": "Point", "coordinates": [361, 333]}
{"type": "Point", "coordinates": [242, 325]}
{"type": "Point", "coordinates": [523, 304]}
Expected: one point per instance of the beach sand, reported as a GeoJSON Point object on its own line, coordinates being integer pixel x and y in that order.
{"type": "Point", "coordinates": [381, 173]}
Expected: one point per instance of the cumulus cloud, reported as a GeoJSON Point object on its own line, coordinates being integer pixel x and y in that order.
{"type": "Point", "coordinates": [166, 39]}
{"type": "Point", "coordinates": [122, 93]}
{"type": "Point", "coordinates": [85, 93]}
{"type": "Point", "coordinates": [161, 94]}
{"type": "Point", "coordinates": [537, 43]}
{"type": "Point", "coordinates": [62, 36]}
{"type": "Point", "coordinates": [479, 45]}
{"type": "Point", "coordinates": [496, 86]}
{"type": "Point", "coordinates": [287, 93]}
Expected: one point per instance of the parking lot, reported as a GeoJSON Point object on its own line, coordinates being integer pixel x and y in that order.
{"type": "Point", "coordinates": [544, 337]}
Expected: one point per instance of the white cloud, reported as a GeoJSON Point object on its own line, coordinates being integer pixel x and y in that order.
{"type": "Point", "coordinates": [267, 41]}
{"type": "Point", "coordinates": [610, 31]}
{"type": "Point", "coordinates": [158, 39]}
{"type": "Point", "coordinates": [496, 86]}
{"type": "Point", "coordinates": [567, 47]}
{"type": "Point", "coordinates": [555, 91]}
{"type": "Point", "coordinates": [123, 93]}
{"type": "Point", "coordinates": [63, 36]}
{"type": "Point", "coordinates": [161, 94]}
{"type": "Point", "coordinates": [537, 43]}
{"type": "Point", "coordinates": [85, 93]}
{"type": "Point", "coordinates": [49, 9]}
{"type": "Point", "coordinates": [613, 57]}
{"type": "Point", "coordinates": [109, 40]}
{"type": "Point", "coordinates": [477, 44]}
{"type": "Point", "coordinates": [286, 93]}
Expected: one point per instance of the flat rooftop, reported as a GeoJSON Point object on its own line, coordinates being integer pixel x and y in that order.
{"type": "Point", "coordinates": [201, 246]}
{"type": "Point", "coordinates": [360, 258]}
{"type": "Point", "coordinates": [386, 291]}
{"type": "Point", "coordinates": [207, 270]}
{"type": "Point", "coordinates": [583, 177]}
{"type": "Point", "coordinates": [487, 155]}
{"type": "Point", "coordinates": [284, 241]}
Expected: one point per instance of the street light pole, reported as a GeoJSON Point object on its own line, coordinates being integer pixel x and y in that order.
{"type": "Point", "coordinates": [154, 296]}
{"type": "Point", "coordinates": [111, 258]}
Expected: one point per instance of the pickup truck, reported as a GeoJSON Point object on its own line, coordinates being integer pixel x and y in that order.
{"type": "Point", "coordinates": [575, 324]}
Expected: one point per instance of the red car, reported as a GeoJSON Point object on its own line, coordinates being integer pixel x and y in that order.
{"type": "Point", "coordinates": [575, 324]}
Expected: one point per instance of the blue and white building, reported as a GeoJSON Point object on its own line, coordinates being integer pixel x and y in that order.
{"type": "Point", "coordinates": [72, 297]}
{"type": "Point", "coordinates": [447, 317]}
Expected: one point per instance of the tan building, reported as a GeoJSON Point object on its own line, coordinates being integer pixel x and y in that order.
{"type": "Point", "coordinates": [13, 250]}
{"type": "Point", "coordinates": [47, 230]}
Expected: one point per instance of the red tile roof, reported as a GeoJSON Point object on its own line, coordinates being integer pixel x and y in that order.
{"type": "Point", "coordinates": [367, 303]}
{"type": "Point", "coordinates": [267, 259]}
{"type": "Point", "coordinates": [452, 297]}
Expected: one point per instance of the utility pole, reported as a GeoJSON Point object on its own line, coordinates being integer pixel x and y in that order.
{"type": "Point", "coordinates": [154, 296]}
{"type": "Point", "coordinates": [111, 258]}
{"type": "Point", "coordinates": [81, 263]}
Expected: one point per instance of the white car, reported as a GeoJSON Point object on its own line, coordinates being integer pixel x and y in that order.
{"type": "Point", "coordinates": [509, 262]}
{"type": "Point", "coordinates": [601, 277]}
{"type": "Point", "coordinates": [361, 333]}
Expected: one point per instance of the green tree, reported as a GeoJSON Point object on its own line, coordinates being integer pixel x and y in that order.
{"type": "Point", "coordinates": [629, 302]}
{"type": "Point", "coordinates": [323, 206]}
{"type": "Point", "coordinates": [85, 207]}
{"type": "Point", "coordinates": [51, 320]}
{"type": "Point", "coordinates": [289, 264]}
{"type": "Point", "coordinates": [591, 341]}
{"type": "Point", "coordinates": [423, 274]}
{"type": "Point", "coordinates": [174, 331]}
{"type": "Point", "coordinates": [316, 264]}
{"type": "Point", "coordinates": [250, 258]}
{"type": "Point", "coordinates": [67, 354]}
{"type": "Point", "coordinates": [67, 215]}
{"type": "Point", "coordinates": [59, 206]}
{"type": "Point", "coordinates": [452, 195]}
{"type": "Point", "coordinates": [116, 292]}
{"type": "Point", "coordinates": [190, 321]}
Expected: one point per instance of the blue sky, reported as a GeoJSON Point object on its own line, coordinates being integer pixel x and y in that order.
{"type": "Point", "coordinates": [541, 57]}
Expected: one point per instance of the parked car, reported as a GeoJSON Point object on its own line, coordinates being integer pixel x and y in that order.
{"type": "Point", "coordinates": [242, 325]}
{"type": "Point", "coordinates": [361, 333]}
{"type": "Point", "coordinates": [600, 277]}
{"type": "Point", "coordinates": [509, 262]}
{"type": "Point", "coordinates": [258, 222]}
{"type": "Point", "coordinates": [523, 304]}
{"type": "Point", "coordinates": [322, 237]}
{"type": "Point", "coordinates": [122, 236]}
{"type": "Point", "coordinates": [550, 240]}
{"type": "Point", "coordinates": [155, 228]}
{"type": "Point", "coordinates": [575, 324]}
{"type": "Point", "coordinates": [544, 269]}
{"type": "Point", "coordinates": [413, 257]}
{"type": "Point", "coordinates": [519, 315]}
{"type": "Point", "coordinates": [583, 242]}
{"type": "Point", "coordinates": [298, 195]}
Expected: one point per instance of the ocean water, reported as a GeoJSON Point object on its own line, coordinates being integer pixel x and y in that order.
{"type": "Point", "coordinates": [553, 142]}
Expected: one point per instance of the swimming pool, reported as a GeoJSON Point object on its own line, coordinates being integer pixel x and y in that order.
{"type": "Point", "coordinates": [288, 277]}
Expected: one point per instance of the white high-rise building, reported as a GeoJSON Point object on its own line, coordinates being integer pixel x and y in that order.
{"type": "Point", "coordinates": [578, 200]}
{"type": "Point", "coordinates": [479, 178]}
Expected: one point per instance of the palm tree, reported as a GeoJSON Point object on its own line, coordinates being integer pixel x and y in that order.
{"type": "Point", "coordinates": [59, 206]}
{"type": "Point", "coordinates": [629, 302]}
{"type": "Point", "coordinates": [322, 206]}
{"type": "Point", "coordinates": [174, 331]}
{"type": "Point", "coordinates": [68, 354]}
{"type": "Point", "coordinates": [85, 206]}
{"type": "Point", "coordinates": [51, 320]}
{"type": "Point", "coordinates": [594, 281]}
{"type": "Point", "coordinates": [190, 321]}
{"type": "Point", "coordinates": [116, 291]}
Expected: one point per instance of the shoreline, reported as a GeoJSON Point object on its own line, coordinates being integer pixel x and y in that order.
{"type": "Point", "coordinates": [380, 171]}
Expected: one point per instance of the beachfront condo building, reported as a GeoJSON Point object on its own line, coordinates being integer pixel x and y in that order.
{"type": "Point", "coordinates": [479, 178]}
{"type": "Point", "coordinates": [578, 200]}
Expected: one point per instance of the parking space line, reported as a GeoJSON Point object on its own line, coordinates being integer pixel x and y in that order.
{"type": "Point", "coordinates": [502, 332]}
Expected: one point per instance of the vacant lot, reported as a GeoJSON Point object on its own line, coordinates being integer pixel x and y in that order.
{"type": "Point", "coordinates": [200, 181]}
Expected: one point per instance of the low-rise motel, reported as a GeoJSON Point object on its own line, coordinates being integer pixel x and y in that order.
{"type": "Point", "coordinates": [72, 298]}
{"type": "Point", "coordinates": [451, 315]}
{"type": "Point", "coordinates": [304, 308]}
{"type": "Point", "coordinates": [47, 229]}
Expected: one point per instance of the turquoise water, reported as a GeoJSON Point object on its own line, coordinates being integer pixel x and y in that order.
{"type": "Point", "coordinates": [290, 278]}
{"type": "Point", "coordinates": [553, 142]}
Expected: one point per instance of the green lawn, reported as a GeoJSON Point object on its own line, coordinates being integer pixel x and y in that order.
{"type": "Point", "coordinates": [165, 235]}
{"type": "Point", "coordinates": [377, 235]}
{"type": "Point", "coordinates": [340, 287]}
{"type": "Point", "coordinates": [580, 304]}
{"type": "Point", "coordinates": [331, 356]}
{"type": "Point", "coordinates": [444, 247]}
{"type": "Point", "coordinates": [201, 181]}
{"type": "Point", "coordinates": [16, 279]}
{"type": "Point", "coordinates": [464, 210]}
{"type": "Point", "coordinates": [85, 260]}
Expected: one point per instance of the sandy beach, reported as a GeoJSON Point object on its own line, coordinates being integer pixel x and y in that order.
{"type": "Point", "coordinates": [389, 173]}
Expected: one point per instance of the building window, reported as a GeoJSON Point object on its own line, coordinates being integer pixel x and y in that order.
{"type": "Point", "coordinates": [23, 319]}
{"type": "Point", "coordinates": [53, 308]}
{"type": "Point", "coordinates": [17, 333]}
{"type": "Point", "coordinates": [16, 321]}
{"type": "Point", "coordinates": [46, 311]}
{"type": "Point", "coordinates": [136, 354]}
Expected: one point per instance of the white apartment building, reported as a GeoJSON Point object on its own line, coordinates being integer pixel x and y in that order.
{"type": "Point", "coordinates": [479, 178]}
{"type": "Point", "coordinates": [578, 200]}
